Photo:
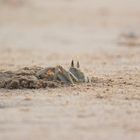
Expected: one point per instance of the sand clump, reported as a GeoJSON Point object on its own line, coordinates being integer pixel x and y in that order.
{"type": "Point", "coordinates": [26, 78]}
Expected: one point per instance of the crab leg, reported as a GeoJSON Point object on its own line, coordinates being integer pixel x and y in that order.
{"type": "Point", "coordinates": [63, 75]}
{"type": "Point", "coordinates": [73, 77]}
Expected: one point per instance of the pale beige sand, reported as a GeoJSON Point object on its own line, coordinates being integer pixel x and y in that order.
{"type": "Point", "coordinates": [52, 32]}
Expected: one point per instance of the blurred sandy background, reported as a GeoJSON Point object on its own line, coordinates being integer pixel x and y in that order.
{"type": "Point", "coordinates": [52, 32]}
{"type": "Point", "coordinates": [66, 25]}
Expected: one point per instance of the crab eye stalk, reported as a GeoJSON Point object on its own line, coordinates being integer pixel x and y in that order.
{"type": "Point", "coordinates": [72, 63]}
{"type": "Point", "coordinates": [78, 64]}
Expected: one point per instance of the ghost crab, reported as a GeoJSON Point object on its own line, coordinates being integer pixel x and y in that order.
{"type": "Point", "coordinates": [38, 77]}
{"type": "Point", "coordinates": [58, 73]}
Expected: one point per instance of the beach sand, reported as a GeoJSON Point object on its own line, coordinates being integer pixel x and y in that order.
{"type": "Point", "coordinates": [50, 33]}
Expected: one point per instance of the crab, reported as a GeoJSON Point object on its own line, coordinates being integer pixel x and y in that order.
{"type": "Point", "coordinates": [58, 73]}
{"type": "Point", "coordinates": [38, 77]}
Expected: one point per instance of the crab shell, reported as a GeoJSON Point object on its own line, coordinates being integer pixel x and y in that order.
{"type": "Point", "coordinates": [58, 73]}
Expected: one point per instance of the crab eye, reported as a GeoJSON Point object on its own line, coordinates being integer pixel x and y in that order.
{"type": "Point", "coordinates": [72, 63]}
{"type": "Point", "coordinates": [78, 64]}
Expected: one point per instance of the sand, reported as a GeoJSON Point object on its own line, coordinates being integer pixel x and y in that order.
{"type": "Point", "coordinates": [49, 33]}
